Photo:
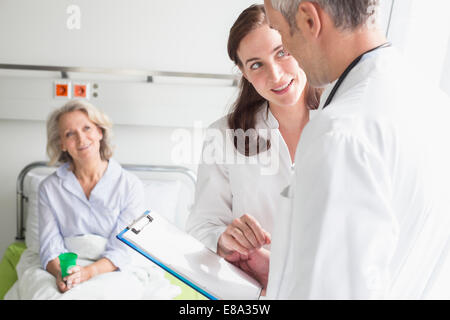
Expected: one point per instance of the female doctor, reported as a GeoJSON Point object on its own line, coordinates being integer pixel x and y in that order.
{"type": "Point", "coordinates": [248, 155]}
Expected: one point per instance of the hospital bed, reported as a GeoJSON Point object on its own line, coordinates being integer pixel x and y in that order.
{"type": "Point", "coordinates": [169, 190]}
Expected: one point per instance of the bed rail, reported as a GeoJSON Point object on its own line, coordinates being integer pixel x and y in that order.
{"type": "Point", "coordinates": [21, 197]}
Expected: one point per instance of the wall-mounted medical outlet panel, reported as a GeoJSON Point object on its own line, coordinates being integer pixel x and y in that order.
{"type": "Point", "coordinates": [62, 89]}
{"type": "Point", "coordinates": [81, 90]}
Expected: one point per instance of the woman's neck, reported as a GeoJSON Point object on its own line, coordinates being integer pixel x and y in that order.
{"type": "Point", "coordinates": [90, 171]}
{"type": "Point", "coordinates": [291, 118]}
{"type": "Point", "coordinates": [291, 121]}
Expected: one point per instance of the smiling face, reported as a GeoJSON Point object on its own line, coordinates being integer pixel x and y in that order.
{"type": "Point", "coordinates": [79, 136]}
{"type": "Point", "coordinates": [272, 71]}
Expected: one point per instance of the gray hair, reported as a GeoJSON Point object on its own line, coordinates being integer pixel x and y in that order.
{"type": "Point", "coordinates": [100, 119]}
{"type": "Point", "coordinates": [346, 14]}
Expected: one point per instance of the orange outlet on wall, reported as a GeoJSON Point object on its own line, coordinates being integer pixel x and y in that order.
{"type": "Point", "coordinates": [81, 90]}
{"type": "Point", "coordinates": [62, 89]}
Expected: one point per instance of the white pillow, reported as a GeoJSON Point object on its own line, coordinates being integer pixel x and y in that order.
{"type": "Point", "coordinates": [162, 196]}
{"type": "Point", "coordinates": [31, 188]}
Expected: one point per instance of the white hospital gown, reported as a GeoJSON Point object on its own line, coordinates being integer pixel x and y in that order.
{"type": "Point", "coordinates": [64, 211]}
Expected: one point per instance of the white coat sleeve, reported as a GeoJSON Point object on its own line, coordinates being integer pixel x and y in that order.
{"type": "Point", "coordinates": [212, 210]}
{"type": "Point", "coordinates": [343, 231]}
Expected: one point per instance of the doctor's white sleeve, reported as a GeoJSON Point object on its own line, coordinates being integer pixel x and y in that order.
{"type": "Point", "coordinates": [343, 231]}
{"type": "Point", "coordinates": [212, 210]}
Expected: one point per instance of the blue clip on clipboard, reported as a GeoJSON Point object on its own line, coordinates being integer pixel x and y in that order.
{"type": "Point", "coordinates": [187, 259]}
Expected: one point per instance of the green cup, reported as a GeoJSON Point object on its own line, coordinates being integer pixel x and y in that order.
{"type": "Point", "coordinates": [66, 261]}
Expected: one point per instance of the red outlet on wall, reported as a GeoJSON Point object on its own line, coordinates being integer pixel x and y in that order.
{"type": "Point", "coordinates": [81, 90]}
{"type": "Point", "coordinates": [62, 90]}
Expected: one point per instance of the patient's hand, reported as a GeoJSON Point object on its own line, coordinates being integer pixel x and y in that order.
{"type": "Point", "coordinates": [55, 270]}
{"type": "Point", "coordinates": [77, 275]}
{"type": "Point", "coordinates": [242, 235]}
{"type": "Point", "coordinates": [62, 287]}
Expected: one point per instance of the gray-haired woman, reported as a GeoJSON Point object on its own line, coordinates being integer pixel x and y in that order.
{"type": "Point", "coordinates": [89, 193]}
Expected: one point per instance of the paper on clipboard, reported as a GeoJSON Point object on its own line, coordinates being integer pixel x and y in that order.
{"type": "Point", "coordinates": [188, 259]}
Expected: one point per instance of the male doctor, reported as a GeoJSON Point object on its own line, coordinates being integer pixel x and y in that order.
{"type": "Point", "coordinates": [370, 201]}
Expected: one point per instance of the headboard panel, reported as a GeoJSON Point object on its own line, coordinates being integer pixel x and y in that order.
{"type": "Point", "coordinates": [157, 180]}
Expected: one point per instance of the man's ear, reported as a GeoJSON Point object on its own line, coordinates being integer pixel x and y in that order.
{"type": "Point", "coordinates": [308, 19]}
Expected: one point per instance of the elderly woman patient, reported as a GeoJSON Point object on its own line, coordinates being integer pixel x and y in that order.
{"type": "Point", "coordinates": [89, 193]}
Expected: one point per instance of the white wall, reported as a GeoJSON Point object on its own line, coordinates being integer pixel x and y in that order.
{"type": "Point", "coordinates": [421, 30]}
{"type": "Point", "coordinates": [445, 78]}
{"type": "Point", "coordinates": [175, 35]}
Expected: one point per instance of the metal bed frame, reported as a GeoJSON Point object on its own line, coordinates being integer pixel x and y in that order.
{"type": "Point", "coordinates": [21, 197]}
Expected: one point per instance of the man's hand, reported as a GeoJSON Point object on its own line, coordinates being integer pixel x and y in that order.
{"type": "Point", "coordinates": [256, 264]}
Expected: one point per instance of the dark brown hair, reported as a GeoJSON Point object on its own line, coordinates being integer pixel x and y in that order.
{"type": "Point", "coordinates": [244, 110]}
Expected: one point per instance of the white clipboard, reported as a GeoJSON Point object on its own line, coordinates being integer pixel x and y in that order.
{"type": "Point", "coordinates": [188, 259]}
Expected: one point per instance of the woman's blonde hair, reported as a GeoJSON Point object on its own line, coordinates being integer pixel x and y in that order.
{"type": "Point", "coordinates": [54, 151]}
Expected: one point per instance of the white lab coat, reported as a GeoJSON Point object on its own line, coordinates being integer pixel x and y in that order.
{"type": "Point", "coordinates": [370, 201]}
{"type": "Point", "coordinates": [233, 185]}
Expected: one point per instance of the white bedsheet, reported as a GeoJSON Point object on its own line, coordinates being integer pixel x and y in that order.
{"type": "Point", "coordinates": [140, 280]}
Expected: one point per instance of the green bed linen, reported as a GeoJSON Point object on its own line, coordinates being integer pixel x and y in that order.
{"type": "Point", "coordinates": [187, 293]}
{"type": "Point", "coordinates": [8, 264]}
{"type": "Point", "coordinates": [12, 255]}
